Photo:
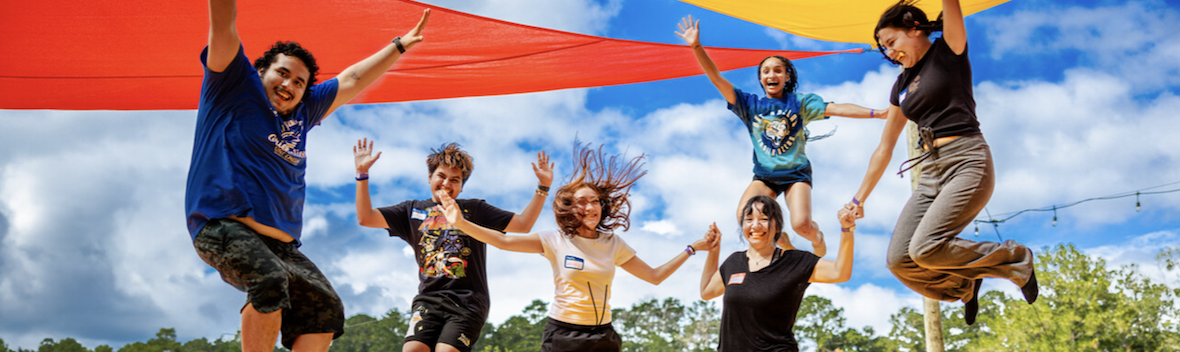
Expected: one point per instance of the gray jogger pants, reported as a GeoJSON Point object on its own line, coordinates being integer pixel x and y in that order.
{"type": "Point", "coordinates": [924, 252]}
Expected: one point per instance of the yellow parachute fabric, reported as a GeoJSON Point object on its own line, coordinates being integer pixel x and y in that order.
{"type": "Point", "coordinates": [850, 21]}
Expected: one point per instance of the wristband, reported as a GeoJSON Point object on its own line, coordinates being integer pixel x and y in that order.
{"type": "Point", "coordinates": [690, 250]}
{"type": "Point", "coordinates": [871, 111]}
{"type": "Point", "coordinates": [541, 192]}
{"type": "Point", "coordinates": [543, 188]}
{"type": "Point", "coordinates": [398, 41]}
{"type": "Point", "coordinates": [848, 229]}
{"type": "Point", "coordinates": [361, 176]}
{"type": "Point", "coordinates": [855, 201]}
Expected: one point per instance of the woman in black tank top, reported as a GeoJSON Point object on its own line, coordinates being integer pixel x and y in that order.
{"type": "Point", "coordinates": [935, 91]}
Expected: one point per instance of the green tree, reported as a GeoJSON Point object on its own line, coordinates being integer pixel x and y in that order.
{"type": "Point", "coordinates": [703, 327]}
{"type": "Point", "coordinates": [368, 334]}
{"type": "Point", "coordinates": [822, 323]}
{"type": "Point", "coordinates": [104, 348]}
{"type": "Point", "coordinates": [65, 345]}
{"type": "Point", "coordinates": [1083, 307]}
{"type": "Point", "coordinates": [651, 325]}
{"type": "Point", "coordinates": [519, 333]}
{"type": "Point", "coordinates": [165, 341]}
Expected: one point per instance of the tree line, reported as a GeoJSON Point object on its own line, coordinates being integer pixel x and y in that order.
{"type": "Point", "coordinates": [1084, 306]}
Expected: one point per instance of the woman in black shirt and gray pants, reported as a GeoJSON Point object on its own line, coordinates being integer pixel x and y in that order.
{"type": "Point", "coordinates": [935, 91]}
{"type": "Point", "coordinates": [764, 285]}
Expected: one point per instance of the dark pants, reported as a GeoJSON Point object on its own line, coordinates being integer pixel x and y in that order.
{"type": "Point", "coordinates": [274, 275]}
{"type": "Point", "coordinates": [560, 336]}
{"type": "Point", "coordinates": [925, 253]}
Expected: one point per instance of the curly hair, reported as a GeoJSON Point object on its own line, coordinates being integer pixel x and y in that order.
{"type": "Point", "coordinates": [291, 49]}
{"type": "Point", "coordinates": [450, 155]}
{"type": "Point", "coordinates": [905, 15]}
{"type": "Point", "coordinates": [772, 211]}
{"type": "Point", "coordinates": [611, 180]}
{"type": "Point", "coordinates": [789, 86]}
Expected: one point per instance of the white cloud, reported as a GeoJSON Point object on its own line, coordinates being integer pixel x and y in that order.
{"type": "Point", "coordinates": [1133, 40]}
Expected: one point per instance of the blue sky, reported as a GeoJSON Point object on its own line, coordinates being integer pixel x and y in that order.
{"type": "Point", "coordinates": [1077, 100]}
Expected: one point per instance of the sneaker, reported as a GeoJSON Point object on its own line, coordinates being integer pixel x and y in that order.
{"type": "Point", "coordinates": [1030, 288]}
{"type": "Point", "coordinates": [972, 307]}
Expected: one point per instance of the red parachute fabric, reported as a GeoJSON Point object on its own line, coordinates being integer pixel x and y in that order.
{"type": "Point", "coordinates": [144, 54]}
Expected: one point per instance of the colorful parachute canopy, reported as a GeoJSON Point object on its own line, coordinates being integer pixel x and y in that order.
{"type": "Point", "coordinates": [850, 21]}
{"type": "Point", "coordinates": [144, 54]}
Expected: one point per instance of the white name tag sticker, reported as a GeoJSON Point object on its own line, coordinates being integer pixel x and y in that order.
{"type": "Point", "coordinates": [418, 214]}
{"type": "Point", "coordinates": [737, 279]}
{"type": "Point", "coordinates": [572, 262]}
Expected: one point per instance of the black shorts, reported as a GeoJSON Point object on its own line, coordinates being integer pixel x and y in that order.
{"type": "Point", "coordinates": [274, 275]}
{"type": "Point", "coordinates": [560, 336]}
{"type": "Point", "coordinates": [438, 319]}
{"type": "Point", "coordinates": [781, 184]}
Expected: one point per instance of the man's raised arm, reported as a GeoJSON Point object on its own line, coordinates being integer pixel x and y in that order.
{"type": "Point", "coordinates": [223, 34]}
{"type": "Point", "coordinates": [360, 75]}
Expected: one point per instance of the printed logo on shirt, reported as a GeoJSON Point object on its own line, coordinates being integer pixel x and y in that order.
{"type": "Point", "coordinates": [779, 129]}
{"type": "Point", "coordinates": [442, 250]}
{"type": "Point", "coordinates": [287, 142]}
{"type": "Point", "coordinates": [913, 86]}
{"type": "Point", "coordinates": [572, 262]}
{"type": "Point", "coordinates": [737, 279]}
{"type": "Point", "coordinates": [418, 214]}
{"type": "Point", "coordinates": [466, 341]}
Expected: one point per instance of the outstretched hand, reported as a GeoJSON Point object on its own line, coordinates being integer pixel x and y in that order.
{"type": "Point", "coordinates": [690, 31]}
{"type": "Point", "coordinates": [448, 207]}
{"type": "Point", "coordinates": [415, 35]}
{"type": "Point", "coordinates": [363, 155]}
{"type": "Point", "coordinates": [544, 169]}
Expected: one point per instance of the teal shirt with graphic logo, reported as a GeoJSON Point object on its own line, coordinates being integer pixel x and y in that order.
{"type": "Point", "coordinates": [776, 128]}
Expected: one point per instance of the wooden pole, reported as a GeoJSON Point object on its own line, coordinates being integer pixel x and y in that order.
{"type": "Point", "coordinates": [931, 308]}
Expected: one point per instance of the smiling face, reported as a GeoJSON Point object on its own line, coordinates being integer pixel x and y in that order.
{"type": "Point", "coordinates": [448, 179]}
{"type": "Point", "coordinates": [589, 208]}
{"type": "Point", "coordinates": [758, 228]}
{"type": "Point", "coordinates": [773, 76]}
{"type": "Point", "coordinates": [904, 46]}
{"type": "Point", "coordinates": [285, 80]}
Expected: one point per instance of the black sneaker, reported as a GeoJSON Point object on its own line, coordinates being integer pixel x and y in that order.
{"type": "Point", "coordinates": [1030, 288]}
{"type": "Point", "coordinates": [972, 307]}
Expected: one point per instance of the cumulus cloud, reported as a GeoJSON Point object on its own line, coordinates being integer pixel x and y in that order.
{"type": "Point", "coordinates": [91, 203]}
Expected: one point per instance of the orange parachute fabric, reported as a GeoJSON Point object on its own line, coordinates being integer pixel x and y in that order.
{"type": "Point", "coordinates": [144, 54]}
{"type": "Point", "coordinates": [849, 21]}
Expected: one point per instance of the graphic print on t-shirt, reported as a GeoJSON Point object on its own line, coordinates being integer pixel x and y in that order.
{"type": "Point", "coordinates": [443, 250]}
{"type": "Point", "coordinates": [287, 142]}
{"type": "Point", "coordinates": [779, 129]}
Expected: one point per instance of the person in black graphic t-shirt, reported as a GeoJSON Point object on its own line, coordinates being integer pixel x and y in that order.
{"type": "Point", "coordinates": [452, 303]}
{"type": "Point", "coordinates": [935, 91]}
{"type": "Point", "coordinates": [764, 285]}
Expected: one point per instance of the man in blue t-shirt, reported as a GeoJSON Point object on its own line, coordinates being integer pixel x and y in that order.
{"type": "Point", "coordinates": [245, 191]}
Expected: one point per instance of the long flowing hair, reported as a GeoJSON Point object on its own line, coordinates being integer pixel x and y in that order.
{"type": "Point", "coordinates": [611, 179]}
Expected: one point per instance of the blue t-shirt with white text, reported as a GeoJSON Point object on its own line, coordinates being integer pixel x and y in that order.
{"type": "Point", "coordinates": [247, 159]}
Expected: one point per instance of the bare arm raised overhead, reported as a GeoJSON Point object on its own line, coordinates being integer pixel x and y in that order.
{"type": "Point", "coordinates": [223, 34]}
{"type": "Point", "coordinates": [360, 75]}
{"type": "Point", "coordinates": [690, 32]}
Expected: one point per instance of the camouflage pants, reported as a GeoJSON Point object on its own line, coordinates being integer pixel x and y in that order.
{"type": "Point", "coordinates": [274, 275]}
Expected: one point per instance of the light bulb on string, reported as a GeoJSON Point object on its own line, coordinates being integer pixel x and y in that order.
{"type": "Point", "coordinates": [1054, 216]}
{"type": "Point", "coordinates": [1137, 207]}
{"type": "Point", "coordinates": [976, 230]}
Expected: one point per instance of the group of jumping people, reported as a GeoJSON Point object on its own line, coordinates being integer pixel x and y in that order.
{"type": "Point", "coordinates": [245, 194]}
